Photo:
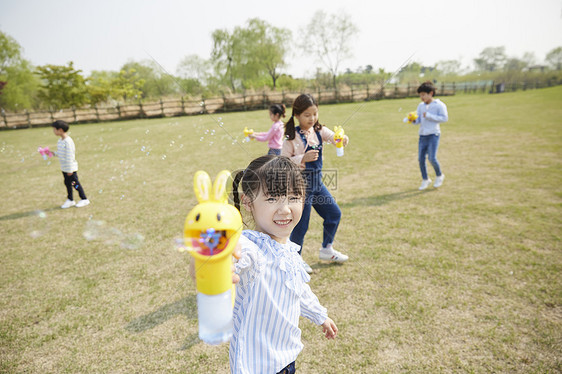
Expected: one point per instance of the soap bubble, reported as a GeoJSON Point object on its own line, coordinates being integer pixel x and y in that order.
{"type": "Point", "coordinates": [179, 245]}
{"type": "Point", "coordinates": [147, 131]}
{"type": "Point", "coordinates": [39, 224]}
{"type": "Point", "coordinates": [94, 230]}
{"type": "Point", "coordinates": [399, 109]}
{"type": "Point", "coordinates": [100, 191]}
{"type": "Point", "coordinates": [201, 139]}
{"type": "Point", "coordinates": [132, 241]}
{"type": "Point", "coordinates": [163, 157]}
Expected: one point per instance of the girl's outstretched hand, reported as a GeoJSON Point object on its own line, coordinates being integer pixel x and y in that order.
{"type": "Point", "coordinates": [345, 140]}
{"type": "Point", "coordinates": [329, 328]}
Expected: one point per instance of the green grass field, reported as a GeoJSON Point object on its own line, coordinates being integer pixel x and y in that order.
{"type": "Point", "coordinates": [464, 279]}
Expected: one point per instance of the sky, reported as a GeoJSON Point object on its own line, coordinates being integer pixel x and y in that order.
{"type": "Point", "coordinates": [105, 34]}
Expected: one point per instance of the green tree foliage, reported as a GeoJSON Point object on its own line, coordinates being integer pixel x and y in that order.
{"type": "Point", "coordinates": [268, 45]}
{"type": "Point", "coordinates": [491, 59]}
{"type": "Point", "coordinates": [243, 57]}
{"type": "Point", "coordinates": [128, 84]}
{"type": "Point", "coordinates": [63, 86]}
{"type": "Point", "coordinates": [19, 84]}
{"type": "Point", "coordinates": [554, 58]}
{"type": "Point", "coordinates": [157, 82]}
{"type": "Point", "coordinates": [328, 38]}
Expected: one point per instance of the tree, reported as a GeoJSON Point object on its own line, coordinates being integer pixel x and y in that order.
{"type": "Point", "coordinates": [268, 45]}
{"type": "Point", "coordinates": [328, 37]}
{"type": "Point", "coordinates": [491, 59]}
{"type": "Point", "coordinates": [194, 67]}
{"type": "Point", "coordinates": [19, 84]}
{"type": "Point", "coordinates": [157, 82]}
{"type": "Point", "coordinates": [449, 67]}
{"type": "Point", "coordinates": [225, 56]}
{"type": "Point", "coordinates": [554, 58]}
{"type": "Point", "coordinates": [128, 84]}
{"type": "Point", "coordinates": [63, 86]}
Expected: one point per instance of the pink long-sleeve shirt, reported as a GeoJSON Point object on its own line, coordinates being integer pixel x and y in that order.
{"type": "Point", "coordinates": [274, 136]}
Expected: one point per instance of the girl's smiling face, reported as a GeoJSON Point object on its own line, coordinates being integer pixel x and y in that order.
{"type": "Point", "coordinates": [308, 118]}
{"type": "Point", "coordinates": [276, 216]}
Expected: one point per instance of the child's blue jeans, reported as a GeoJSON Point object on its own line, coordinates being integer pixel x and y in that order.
{"type": "Point", "coordinates": [325, 205]}
{"type": "Point", "coordinates": [427, 146]}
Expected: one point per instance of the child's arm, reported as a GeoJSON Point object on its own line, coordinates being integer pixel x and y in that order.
{"type": "Point", "coordinates": [288, 150]}
{"type": "Point", "coordinates": [265, 136]}
{"type": "Point", "coordinates": [249, 263]}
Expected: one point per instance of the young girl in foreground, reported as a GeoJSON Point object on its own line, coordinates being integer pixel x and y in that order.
{"type": "Point", "coordinates": [272, 292]}
{"type": "Point", "coordinates": [304, 147]}
{"type": "Point", "coordinates": [274, 136]}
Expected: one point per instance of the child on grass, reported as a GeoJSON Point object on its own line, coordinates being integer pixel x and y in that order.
{"type": "Point", "coordinates": [304, 146]}
{"type": "Point", "coordinates": [274, 136]}
{"type": "Point", "coordinates": [272, 292]}
{"type": "Point", "coordinates": [66, 153]}
{"type": "Point", "coordinates": [431, 112]}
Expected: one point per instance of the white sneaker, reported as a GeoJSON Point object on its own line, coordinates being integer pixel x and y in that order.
{"type": "Point", "coordinates": [67, 204]}
{"type": "Point", "coordinates": [439, 180]}
{"type": "Point", "coordinates": [307, 267]}
{"type": "Point", "coordinates": [425, 183]}
{"type": "Point", "coordinates": [330, 254]}
{"type": "Point", "coordinates": [82, 203]}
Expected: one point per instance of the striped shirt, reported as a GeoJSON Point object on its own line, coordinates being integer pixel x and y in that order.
{"type": "Point", "coordinates": [271, 296]}
{"type": "Point", "coordinates": [66, 154]}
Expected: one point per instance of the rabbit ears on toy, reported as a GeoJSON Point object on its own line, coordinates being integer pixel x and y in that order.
{"type": "Point", "coordinates": [206, 192]}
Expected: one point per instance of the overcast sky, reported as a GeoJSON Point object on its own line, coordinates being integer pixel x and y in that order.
{"type": "Point", "coordinates": [105, 34]}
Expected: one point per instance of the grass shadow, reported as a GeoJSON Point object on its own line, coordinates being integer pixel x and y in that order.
{"type": "Point", "coordinates": [186, 307]}
{"type": "Point", "coordinates": [385, 199]}
{"type": "Point", "coordinates": [27, 214]}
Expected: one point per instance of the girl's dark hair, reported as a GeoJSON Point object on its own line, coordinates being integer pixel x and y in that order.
{"type": "Point", "coordinates": [278, 109]}
{"type": "Point", "coordinates": [60, 124]}
{"type": "Point", "coordinates": [427, 87]}
{"type": "Point", "coordinates": [274, 175]}
{"type": "Point", "coordinates": [302, 103]}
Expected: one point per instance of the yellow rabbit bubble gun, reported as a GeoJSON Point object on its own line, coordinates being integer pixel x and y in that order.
{"type": "Point", "coordinates": [411, 118]}
{"type": "Point", "coordinates": [211, 232]}
{"type": "Point", "coordinates": [339, 134]}
{"type": "Point", "coordinates": [247, 133]}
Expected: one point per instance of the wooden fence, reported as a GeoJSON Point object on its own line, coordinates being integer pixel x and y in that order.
{"type": "Point", "coordinates": [242, 102]}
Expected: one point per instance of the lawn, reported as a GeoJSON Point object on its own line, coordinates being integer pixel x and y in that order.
{"type": "Point", "coordinates": [464, 279]}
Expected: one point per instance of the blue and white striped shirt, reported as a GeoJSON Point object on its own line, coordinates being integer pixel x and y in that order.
{"type": "Point", "coordinates": [435, 113]}
{"type": "Point", "coordinates": [66, 154]}
{"type": "Point", "coordinates": [271, 296]}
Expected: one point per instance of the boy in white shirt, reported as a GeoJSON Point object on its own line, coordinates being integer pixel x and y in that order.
{"type": "Point", "coordinates": [68, 164]}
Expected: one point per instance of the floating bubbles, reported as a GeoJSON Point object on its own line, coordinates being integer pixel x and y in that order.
{"type": "Point", "coordinates": [122, 197]}
{"type": "Point", "coordinates": [132, 241]}
{"type": "Point", "coordinates": [100, 191]}
{"type": "Point", "coordinates": [201, 139]}
{"type": "Point", "coordinates": [212, 132]}
{"type": "Point", "coordinates": [399, 109]}
{"type": "Point", "coordinates": [99, 231]}
{"type": "Point", "coordinates": [163, 157]}
{"type": "Point", "coordinates": [94, 230]}
{"type": "Point", "coordinates": [39, 224]}
{"type": "Point", "coordinates": [179, 245]}
{"type": "Point", "coordinates": [147, 131]}
{"type": "Point", "coordinates": [143, 148]}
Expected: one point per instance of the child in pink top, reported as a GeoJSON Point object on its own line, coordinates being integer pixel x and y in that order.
{"type": "Point", "coordinates": [274, 136]}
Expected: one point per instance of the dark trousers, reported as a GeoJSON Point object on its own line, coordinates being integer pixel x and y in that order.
{"type": "Point", "coordinates": [71, 181]}
{"type": "Point", "coordinates": [289, 369]}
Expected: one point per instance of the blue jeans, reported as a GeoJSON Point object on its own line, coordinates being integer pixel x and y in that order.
{"type": "Point", "coordinates": [275, 152]}
{"type": "Point", "coordinates": [325, 205]}
{"type": "Point", "coordinates": [428, 145]}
